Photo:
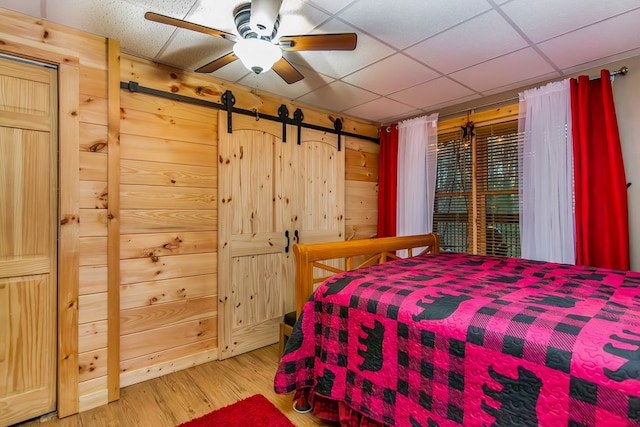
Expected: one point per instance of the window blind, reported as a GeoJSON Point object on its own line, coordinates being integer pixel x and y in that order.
{"type": "Point", "coordinates": [497, 212]}
{"type": "Point", "coordinates": [452, 204]}
{"type": "Point", "coordinates": [476, 202]}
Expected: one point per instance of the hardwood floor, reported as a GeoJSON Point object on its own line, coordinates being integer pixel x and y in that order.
{"type": "Point", "coordinates": [178, 397]}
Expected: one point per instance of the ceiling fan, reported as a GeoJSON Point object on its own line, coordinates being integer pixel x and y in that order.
{"type": "Point", "coordinates": [257, 45]}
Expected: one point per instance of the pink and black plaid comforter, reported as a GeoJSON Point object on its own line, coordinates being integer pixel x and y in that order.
{"type": "Point", "coordinates": [454, 339]}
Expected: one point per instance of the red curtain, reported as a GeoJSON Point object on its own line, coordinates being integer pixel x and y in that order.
{"type": "Point", "coordinates": [602, 226]}
{"type": "Point", "coordinates": [387, 181]}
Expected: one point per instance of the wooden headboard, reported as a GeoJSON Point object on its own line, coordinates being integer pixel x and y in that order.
{"type": "Point", "coordinates": [375, 251]}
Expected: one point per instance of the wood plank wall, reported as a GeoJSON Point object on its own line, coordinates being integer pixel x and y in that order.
{"type": "Point", "coordinates": [161, 221]}
{"type": "Point", "coordinates": [168, 247]}
{"type": "Point", "coordinates": [361, 189]}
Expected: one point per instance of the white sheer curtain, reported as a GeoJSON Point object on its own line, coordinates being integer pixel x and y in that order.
{"type": "Point", "coordinates": [417, 162]}
{"type": "Point", "coordinates": [547, 229]}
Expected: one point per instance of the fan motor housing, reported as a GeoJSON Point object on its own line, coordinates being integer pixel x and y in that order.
{"type": "Point", "coordinates": [242, 17]}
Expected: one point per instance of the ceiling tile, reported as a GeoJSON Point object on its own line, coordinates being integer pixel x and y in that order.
{"type": "Point", "coordinates": [115, 19]}
{"type": "Point", "coordinates": [392, 74]}
{"type": "Point", "coordinates": [337, 96]}
{"type": "Point", "coordinates": [506, 70]}
{"type": "Point", "coordinates": [437, 107]}
{"type": "Point", "coordinates": [190, 50]}
{"type": "Point", "coordinates": [272, 83]}
{"type": "Point", "coordinates": [340, 63]}
{"type": "Point", "coordinates": [175, 8]}
{"type": "Point", "coordinates": [215, 14]}
{"type": "Point", "coordinates": [588, 44]}
{"type": "Point", "coordinates": [538, 24]}
{"type": "Point", "coordinates": [405, 22]}
{"type": "Point", "coordinates": [603, 61]}
{"type": "Point", "coordinates": [380, 110]}
{"type": "Point", "coordinates": [232, 72]}
{"type": "Point", "coordinates": [477, 40]}
{"type": "Point", "coordinates": [431, 93]}
{"type": "Point", "coordinates": [299, 18]}
{"type": "Point", "coordinates": [331, 6]}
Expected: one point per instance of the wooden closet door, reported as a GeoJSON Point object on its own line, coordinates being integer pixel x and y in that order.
{"type": "Point", "coordinates": [28, 217]}
{"type": "Point", "coordinates": [321, 170]}
{"type": "Point", "coordinates": [268, 189]}
{"type": "Point", "coordinates": [253, 264]}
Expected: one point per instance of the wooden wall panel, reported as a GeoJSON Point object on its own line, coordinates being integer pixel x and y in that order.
{"type": "Point", "coordinates": [93, 195]}
{"type": "Point", "coordinates": [93, 109]}
{"type": "Point", "coordinates": [136, 147]}
{"type": "Point", "coordinates": [361, 189]}
{"type": "Point", "coordinates": [93, 80]}
{"type": "Point", "coordinates": [159, 220]}
{"type": "Point", "coordinates": [180, 175]}
{"type": "Point", "coordinates": [163, 197]}
{"type": "Point", "coordinates": [150, 317]}
{"type": "Point", "coordinates": [93, 166]}
{"type": "Point", "coordinates": [167, 337]}
{"type": "Point", "coordinates": [145, 245]}
{"type": "Point", "coordinates": [168, 107]}
{"type": "Point", "coordinates": [93, 138]}
{"type": "Point", "coordinates": [93, 308]}
{"type": "Point", "coordinates": [93, 279]}
{"type": "Point", "coordinates": [92, 364]}
{"type": "Point", "coordinates": [93, 223]}
{"type": "Point", "coordinates": [166, 267]}
{"type": "Point", "coordinates": [151, 124]}
{"type": "Point", "coordinates": [92, 336]}
{"type": "Point", "coordinates": [165, 291]}
{"type": "Point", "coordinates": [160, 363]}
{"type": "Point", "coordinates": [168, 223]}
{"type": "Point", "coordinates": [93, 251]}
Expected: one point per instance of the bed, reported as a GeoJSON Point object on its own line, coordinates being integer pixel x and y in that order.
{"type": "Point", "coordinates": [446, 339]}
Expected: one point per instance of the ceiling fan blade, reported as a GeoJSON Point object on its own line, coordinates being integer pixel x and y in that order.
{"type": "Point", "coordinates": [217, 63]}
{"type": "Point", "coordinates": [284, 69]}
{"type": "Point", "coordinates": [163, 19]}
{"type": "Point", "coordinates": [343, 41]}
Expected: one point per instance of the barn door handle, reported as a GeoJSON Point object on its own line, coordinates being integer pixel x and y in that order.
{"type": "Point", "coordinates": [286, 248]}
{"type": "Point", "coordinates": [296, 237]}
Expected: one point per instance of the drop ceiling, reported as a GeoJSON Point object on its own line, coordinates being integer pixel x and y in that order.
{"type": "Point", "coordinates": [413, 56]}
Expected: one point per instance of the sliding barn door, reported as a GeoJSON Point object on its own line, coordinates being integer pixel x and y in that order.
{"type": "Point", "coordinates": [272, 194]}
{"type": "Point", "coordinates": [320, 168]}
{"type": "Point", "coordinates": [254, 261]}
{"type": "Point", "coordinates": [28, 216]}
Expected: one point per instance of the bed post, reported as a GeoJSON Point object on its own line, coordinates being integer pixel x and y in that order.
{"type": "Point", "coordinates": [304, 277]}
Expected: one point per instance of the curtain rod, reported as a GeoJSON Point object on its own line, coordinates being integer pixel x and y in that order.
{"type": "Point", "coordinates": [622, 71]}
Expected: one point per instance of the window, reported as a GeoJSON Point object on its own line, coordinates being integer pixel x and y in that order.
{"type": "Point", "coordinates": [476, 201]}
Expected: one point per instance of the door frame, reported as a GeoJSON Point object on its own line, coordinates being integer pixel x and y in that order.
{"type": "Point", "coordinates": [68, 63]}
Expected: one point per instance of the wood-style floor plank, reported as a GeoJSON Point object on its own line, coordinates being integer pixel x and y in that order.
{"type": "Point", "coordinates": [178, 397]}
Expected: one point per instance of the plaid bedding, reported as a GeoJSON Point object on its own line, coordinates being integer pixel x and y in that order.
{"type": "Point", "coordinates": [456, 339]}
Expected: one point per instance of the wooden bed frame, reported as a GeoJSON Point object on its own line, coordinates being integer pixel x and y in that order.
{"type": "Point", "coordinates": [373, 251]}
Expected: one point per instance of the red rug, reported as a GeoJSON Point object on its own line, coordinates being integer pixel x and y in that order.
{"type": "Point", "coordinates": [253, 411]}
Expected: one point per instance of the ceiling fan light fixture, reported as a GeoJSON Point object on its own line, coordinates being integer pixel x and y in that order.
{"type": "Point", "coordinates": [256, 54]}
